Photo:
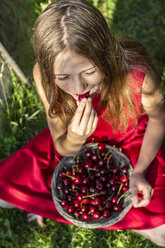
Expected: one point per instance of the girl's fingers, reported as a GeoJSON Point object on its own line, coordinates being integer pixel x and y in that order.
{"type": "Point", "coordinates": [86, 116]}
{"type": "Point", "coordinates": [79, 112]}
{"type": "Point", "coordinates": [92, 123]}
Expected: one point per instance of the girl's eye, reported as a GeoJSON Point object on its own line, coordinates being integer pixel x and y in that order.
{"type": "Point", "coordinates": [63, 78]}
{"type": "Point", "coordinates": [89, 73]}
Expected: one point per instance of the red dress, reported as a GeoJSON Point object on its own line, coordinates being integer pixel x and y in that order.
{"type": "Point", "coordinates": [25, 177]}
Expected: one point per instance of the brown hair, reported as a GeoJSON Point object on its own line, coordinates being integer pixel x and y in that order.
{"type": "Point", "coordinates": [78, 26]}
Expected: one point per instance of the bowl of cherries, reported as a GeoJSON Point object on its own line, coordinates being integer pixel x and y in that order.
{"type": "Point", "coordinates": [91, 188]}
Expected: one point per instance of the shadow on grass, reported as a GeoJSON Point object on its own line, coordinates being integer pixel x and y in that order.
{"type": "Point", "coordinates": [145, 21]}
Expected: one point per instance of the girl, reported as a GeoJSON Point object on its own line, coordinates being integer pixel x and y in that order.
{"type": "Point", "coordinates": [76, 54]}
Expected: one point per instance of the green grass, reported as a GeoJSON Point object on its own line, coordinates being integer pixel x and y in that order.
{"type": "Point", "coordinates": [23, 117]}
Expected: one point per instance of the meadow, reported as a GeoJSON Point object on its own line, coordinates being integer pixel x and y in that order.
{"type": "Point", "coordinates": [22, 117]}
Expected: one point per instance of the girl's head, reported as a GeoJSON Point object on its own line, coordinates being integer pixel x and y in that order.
{"type": "Point", "coordinates": [72, 32]}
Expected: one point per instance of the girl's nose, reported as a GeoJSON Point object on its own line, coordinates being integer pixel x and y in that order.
{"type": "Point", "coordinates": [79, 86]}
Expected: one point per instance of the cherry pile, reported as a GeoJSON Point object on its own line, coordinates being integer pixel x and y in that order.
{"type": "Point", "coordinates": [94, 187]}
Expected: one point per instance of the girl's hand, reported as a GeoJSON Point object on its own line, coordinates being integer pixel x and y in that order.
{"type": "Point", "coordinates": [139, 184]}
{"type": "Point", "coordinates": [84, 121]}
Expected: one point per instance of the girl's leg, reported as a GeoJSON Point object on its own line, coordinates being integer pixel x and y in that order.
{"type": "Point", "coordinates": [156, 235]}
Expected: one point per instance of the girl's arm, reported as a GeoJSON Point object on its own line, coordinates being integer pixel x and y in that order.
{"type": "Point", "coordinates": [68, 141]}
{"type": "Point", "coordinates": [153, 137]}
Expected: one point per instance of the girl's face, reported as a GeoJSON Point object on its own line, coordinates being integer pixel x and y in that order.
{"type": "Point", "coordinates": [75, 74]}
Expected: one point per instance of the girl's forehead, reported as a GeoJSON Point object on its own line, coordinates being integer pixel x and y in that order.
{"type": "Point", "coordinates": [71, 62]}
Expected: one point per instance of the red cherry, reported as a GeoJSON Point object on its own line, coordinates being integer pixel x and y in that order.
{"type": "Point", "coordinates": [71, 208]}
{"type": "Point", "coordinates": [60, 185]}
{"type": "Point", "coordinates": [70, 197]}
{"type": "Point", "coordinates": [69, 172]}
{"type": "Point", "coordinates": [125, 187]}
{"type": "Point", "coordinates": [64, 203]}
{"type": "Point", "coordinates": [66, 181]}
{"type": "Point", "coordinates": [86, 201]}
{"type": "Point", "coordinates": [101, 146]}
{"type": "Point", "coordinates": [96, 215]}
{"type": "Point", "coordinates": [76, 179]}
{"type": "Point", "coordinates": [88, 153]}
{"type": "Point", "coordinates": [76, 203]}
{"type": "Point", "coordinates": [91, 209]}
{"type": "Point", "coordinates": [80, 197]}
{"type": "Point", "coordinates": [94, 157]}
{"type": "Point", "coordinates": [125, 169]}
{"type": "Point", "coordinates": [106, 213]}
{"type": "Point", "coordinates": [76, 214]}
{"type": "Point", "coordinates": [117, 208]}
{"type": "Point", "coordinates": [100, 186]}
{"type": "Point", "coordinates": [114, 199]}
{"type": "Point", "coordinates": [88, 164]}
{"type": "Point", "coordinates": [85, 216]}
{"type": "Point", "coordinates": [115, 170]}
{"type": "Point", "coordinates": [66, 191]}
{"type": "Point", "coordinates": [84, 189]}
{"type": "Point", "coordinates": [97, 200]}
{"type": "Point", "coordinates": [86, 180]}
{"type": "Point", "coordinates": [84, 208]}
{"type": "Point", "coordinates": [61, 174]}
{"type": "Point", "coordinates": [81, 170]}
{"type": "Point", "coordinates": [123, 179]}
{"type": "Point", "coordinates": [108, 205]}
{"type": "Point", "coordinates": [115, 188]}
{"type": "Point", "coordinates": [101, 162]}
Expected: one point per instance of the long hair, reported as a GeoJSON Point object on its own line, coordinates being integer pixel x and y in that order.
{"type": "Point", "coordinates": [78, 26]}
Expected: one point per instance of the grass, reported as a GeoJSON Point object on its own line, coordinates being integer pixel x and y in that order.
{"type": "Point", "coordinates": [23, 117]}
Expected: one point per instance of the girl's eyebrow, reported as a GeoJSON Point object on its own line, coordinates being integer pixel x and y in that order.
{"type": "Point", "coordinates": [69, 74]}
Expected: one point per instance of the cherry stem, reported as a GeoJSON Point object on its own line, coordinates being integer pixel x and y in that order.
{"type": "Point", "coordinates": [120, 188]}
{"type": "Point", "coordinates": [58, 199]}
{"type": "Point", "coordinates": [92, 195]}
{"type": "Point", "coordinates": [108, 160]}
{"type": "Point", "coordinates": [120, 198]}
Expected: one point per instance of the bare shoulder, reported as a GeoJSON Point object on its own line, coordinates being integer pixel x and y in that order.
{"type": "Point", "coordinates": [151, 94]}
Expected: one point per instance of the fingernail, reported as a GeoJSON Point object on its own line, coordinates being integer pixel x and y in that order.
{"type": "Point", "coordinates": [89, 99]}
{"type": "Point", "coordinates": [84, 100]}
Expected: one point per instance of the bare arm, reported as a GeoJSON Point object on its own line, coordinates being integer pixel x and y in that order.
{"type": "Point", "coordinates": [152, 141]}
{"type": "Point", "coordinates": [68, 141]}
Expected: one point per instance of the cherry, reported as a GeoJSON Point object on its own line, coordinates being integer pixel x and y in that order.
{"type": "Point", "coordinates": [69, 172]}
{"type": "Point", "coordinates": [125, 187]}
{"type": "Point", "coordinates": [103, 171]}
{"type": "Point", "coordinates": [92, 202]}
{"type": "Point", "coordinates": [71, 208]}
{"type": "Point", "coordinates": [61, 174]}
{"type": "Point", "coordinates": [88, 164]}
{"type": "Point", "coordinates": [100, 186]}
{"type": "Point", "coordinates": [114, 188]}
{"type": "Point", "coordinates": [76, 203]}
{"type": "Point", "coordinates": [84, 189]}
{"type": "Point", "coordinates": [125, 169]}
{"type": "Point", "coordinates": [112, 181]}
{"type": "Point", "coordinates": [115, 170]}
{"type": "Point", "coordinates": [70, 197]}
{"type": "Point", "coordinates": [76, 214]}
{"type": "Point", "coordinates": [88, 153]}
{"type": "Point", "coordinates": [96, 215]}
{"type": "Point", "coordinates": [86, 180]}
{"type": "Point", "coordinates": [117, 208]}
{"type": "Point", "coordinates": [101, 146]}
{"type": "Point", "coordinates": [66, 181]}
{"type": "Point", "coordinates": [100, 207]}
{"type": "Point", "coordinates": [94, 157]}
{"type": "Point", "coordinates": [108, 205]}
{"type": "Point", "coordinates": [103, 153]}
{"type": "Point", "coordinates": [97, 200]}
{"type": "Point", "coordinates": [66, 191]}
{"type": "Point", "coordinates": [101, 162]}
{"type": "Point", "coordinates": [91, 209]}
{"type": "Point", "coordinates": [104, 178]}
{"type": "Point", "coordinates": [60, 185]}
{"type": "Point", "coordinates": [106, 213]}
{"type": "Point", "coordinates": [85, 216]}
{"type": "Point", "coordinates": [84, 208]}
{"type": "Point", "coordinates": [123, 179]}
{"type": "Point", "coordinates": [92, 188]}
{"type": "Point", "coordinates": [64, 203]}
{"type": "Point", "coordinates": [81, 170]}
{"type": "Point", "coordinates": [114, 199]}
{"type": "Point", "coordinates": [80, 197]}
{"type": "Point", "coordinates": [73, 186]}
{"type": "Point", "coordinates": [76, 179]}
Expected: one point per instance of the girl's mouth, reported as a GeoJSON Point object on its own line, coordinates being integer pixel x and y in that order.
{"type": "Point", "coordinates": [86, 95]}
